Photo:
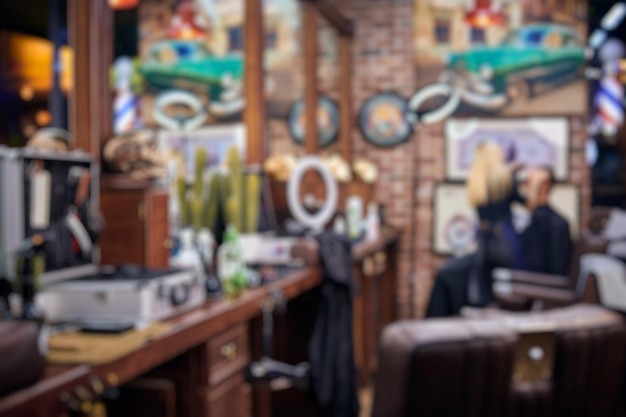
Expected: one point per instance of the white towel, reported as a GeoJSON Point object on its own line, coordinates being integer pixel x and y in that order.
{"type": "Point", "coordinates": [615, 228]}
{"type": "Point", "coordinates": [611, 277]}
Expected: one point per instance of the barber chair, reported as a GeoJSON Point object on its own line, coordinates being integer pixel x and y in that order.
{"type": "Point", "coordinates": [562, 362]}
{"type": "Point", "coordinates": [522, 290]}
{"type": "Point", "coordinates": [518, 290]}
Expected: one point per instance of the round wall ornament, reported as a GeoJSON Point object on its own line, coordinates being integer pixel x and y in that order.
{"type": "Point", "coordinates": [383, 120]}
{"type": "Point", "coordinates": [327, 121]}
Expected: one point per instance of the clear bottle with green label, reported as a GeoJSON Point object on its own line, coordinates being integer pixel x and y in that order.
{"type": "Point", "coordinates": [230, 267]}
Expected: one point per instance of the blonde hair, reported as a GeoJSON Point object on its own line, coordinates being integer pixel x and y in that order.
{"type": "Point", "coordinates": [490, 180]}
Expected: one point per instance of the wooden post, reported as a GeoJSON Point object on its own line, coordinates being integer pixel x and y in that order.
{"type": "Point", "coordinates": [254, 113]}
{"type": "Point", "coordinates": [101, 54]}
{"type": "Point", "coordinates": [310, 76]}
{"type": "Point", "coordinates": [90, 24]}
{"type": "Point", "coordinates": [345, 104]}
{"type": "Point", "coordinates": [78, 103]}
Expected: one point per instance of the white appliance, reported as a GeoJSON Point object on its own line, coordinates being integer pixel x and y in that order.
{"type": "Point", "coordinates": [137, 298]}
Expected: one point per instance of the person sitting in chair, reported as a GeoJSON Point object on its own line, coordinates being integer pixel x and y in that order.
{"type": "Point", "coordinates": [546, 241]}
{"type": "Point", "coordinates": [492, 189]}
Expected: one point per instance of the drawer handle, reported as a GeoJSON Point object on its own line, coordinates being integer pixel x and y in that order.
{"type": "Point", "coordinates": [229, 350]}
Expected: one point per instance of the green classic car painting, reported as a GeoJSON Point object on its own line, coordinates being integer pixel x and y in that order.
{"type": "Point", "coordinates": [189, 65]}
{"type": "Point", "coordinates": [530, 58]}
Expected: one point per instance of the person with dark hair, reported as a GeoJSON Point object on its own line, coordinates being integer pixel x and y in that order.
{"type": "Point", "coordinates": [546, 241]}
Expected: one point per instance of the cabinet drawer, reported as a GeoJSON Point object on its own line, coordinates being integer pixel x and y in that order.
{"type": "Point", "coordinates": [226, 354]}
{"type": "Point", "coordinates": [231, 398]}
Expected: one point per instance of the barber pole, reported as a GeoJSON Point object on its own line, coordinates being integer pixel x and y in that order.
{"type": "Point", "coordinates": [609, 103]}
{"type": "Point", "coordinates": [125, 109]}
{"type": "Point", "coordinates": [125, 112]}
{"type": "Point", "coordinates": [609, 96]}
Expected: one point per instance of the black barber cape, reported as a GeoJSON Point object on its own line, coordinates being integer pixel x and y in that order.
{"type": "Point", "coordinates": [331, 348]}
{"type": "Point", "coordinates": [546, 246]}
{"type": "Point", "coordinates": [449, 292]}
{"type": "Point", "coordinates": [547, 242]}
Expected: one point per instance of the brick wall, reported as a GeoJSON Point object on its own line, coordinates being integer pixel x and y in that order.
{"type": "Point", "coordinates": [384, 59]}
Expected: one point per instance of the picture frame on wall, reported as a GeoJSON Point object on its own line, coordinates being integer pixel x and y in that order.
{"type": "Point", "coordinates": [528, 141]}
{"type": "Point", "coordinates": [181, 147]}
{"type": "Point", "coordinates": [383, 120]}
{"type": "Point", "coordinates": [455, 221]}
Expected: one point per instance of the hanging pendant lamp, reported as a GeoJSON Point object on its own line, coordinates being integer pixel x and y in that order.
{"type": "Point", "coordinates": [123, 4]}
{"type": "Point", "coordinates": [484, 15]}
{"type": "Point", "coordinates": [185, 23]}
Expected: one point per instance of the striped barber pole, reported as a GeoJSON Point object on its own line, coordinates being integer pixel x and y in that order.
{"type": "Point", "coordinates": [125, 112]}
{"type": "Point", "coordinates": [125, 104]}
{"type": "Point", "coordinates": [609, 103]}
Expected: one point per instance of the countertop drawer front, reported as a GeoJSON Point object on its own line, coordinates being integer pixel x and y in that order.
{"type": "Point", "coordinates": [227, 354]}
{"type": "Point", "coordinates": [232, 398]}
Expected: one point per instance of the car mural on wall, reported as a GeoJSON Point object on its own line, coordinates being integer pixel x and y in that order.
{"type": "Point", "coordinates": [529, 59]}
{"type": "Point", "coordinates": [190, 65]}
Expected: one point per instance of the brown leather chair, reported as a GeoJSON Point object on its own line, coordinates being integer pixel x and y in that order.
{"type": "Point", "coordinates": [529, 290]}
{"type": "Point", "coordinates": [522, 290]}
{"type": "Point", "coordinates": [460, 367]}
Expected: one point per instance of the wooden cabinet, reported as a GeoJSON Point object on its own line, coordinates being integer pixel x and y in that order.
{"type": "Point", "coordinates": [223, 390]}
{"type": "Point", "coordinates": [226, 355]}
{"type": "Point", "coordinates": [375, 270]}
{"type": "Point", "coordinates": [136, 224]}
{"type": "Point", "coordinates": [152, 397]}
{"type": "Point", "coordinates": [230, 398]}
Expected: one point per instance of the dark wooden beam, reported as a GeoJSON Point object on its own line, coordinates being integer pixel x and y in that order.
{"type": "Point", "coordinates": [78, 101]}
{"type": "Point", "coordinates": [102, 38]}
{"type": "Point", "coordinates": [91, 35]}
{"type": "Point", "coordinates": [309, 10]}
{"type": "Point", "coordinates": [330, 10]}
{"type": "Point", "coordinates": [254, 114]}
{"type": "Point", "coordinates": [345, 102]}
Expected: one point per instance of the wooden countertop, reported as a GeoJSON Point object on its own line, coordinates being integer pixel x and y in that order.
{"type": "Point", "coordinates": [188, 330]}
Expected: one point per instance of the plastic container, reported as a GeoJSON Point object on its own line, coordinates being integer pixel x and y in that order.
{"type": "Point", "coordinates": [354, 216]}
{"type": "Point", "coordinates": [230, 266]}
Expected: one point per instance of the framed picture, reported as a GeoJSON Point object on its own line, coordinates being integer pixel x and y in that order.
{"type": "Point", "coordinates": [327, 121]}
{"type": "Point", "coordinates": [217, 140]}
{"type": "Point", "coordinates": [382, 120]}
{"type": "Point", "coordinates": [487, 52]}
{"type": "Point", "coordinates": [456, 222]}
{"type": "Point", "coordinates": [529, 141]}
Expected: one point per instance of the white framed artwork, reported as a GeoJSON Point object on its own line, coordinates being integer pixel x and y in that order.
{"type": "Point", "coordinates": [216, 140]}
{"type": "Point", "coordinates": [455, 220]}
{"type": "Point", "coordinates": [529, 141]}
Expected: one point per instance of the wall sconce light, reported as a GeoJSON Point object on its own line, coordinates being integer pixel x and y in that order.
{"type": "Point", "coordinates": [484, 15]}
{"type": "Point", "coordinates": [123, 4]}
